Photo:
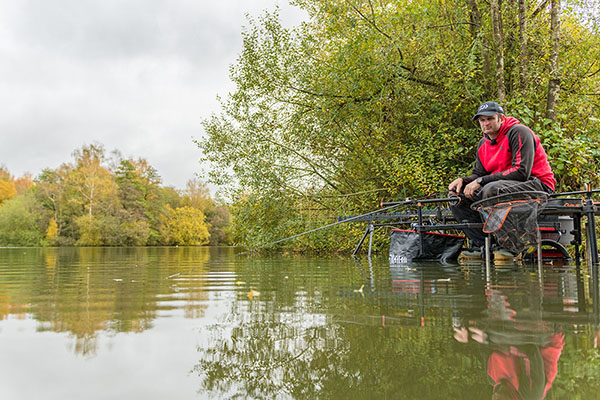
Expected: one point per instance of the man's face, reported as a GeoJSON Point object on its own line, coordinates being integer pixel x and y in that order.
{"type": "Point", "coordinates": [490, 125]}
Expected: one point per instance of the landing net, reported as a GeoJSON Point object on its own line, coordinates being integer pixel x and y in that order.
{"type": "Point", "coordinates": [512, 218]}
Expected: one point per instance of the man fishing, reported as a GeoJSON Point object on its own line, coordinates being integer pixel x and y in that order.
{"type": "Point", "coordinates": [509, 158]}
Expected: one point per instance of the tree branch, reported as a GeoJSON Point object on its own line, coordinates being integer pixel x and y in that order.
{"type": "Point", "coordinates": [539, 9]}
{"type": "Point", "coordinates": [305, 159]}
{"type": "Point", "coordinates": [452, 24]}
{"type": "Point", "coordinates": [371, 22]}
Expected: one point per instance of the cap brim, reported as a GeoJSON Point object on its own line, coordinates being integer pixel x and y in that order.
{"type": "Point", "coordinates": [486, 113]}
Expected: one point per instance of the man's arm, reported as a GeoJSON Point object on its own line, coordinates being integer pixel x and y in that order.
{"type": "Point", "coordinates": [467, 183]}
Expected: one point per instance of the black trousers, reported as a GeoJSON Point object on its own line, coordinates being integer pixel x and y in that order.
{"type": "Point", "coordinates": [463, 213]}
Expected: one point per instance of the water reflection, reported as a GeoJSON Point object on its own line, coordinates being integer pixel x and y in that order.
{"type": "Point", "coordinates": [410, 331]}
{"type": "Point", "coordinates": [83, 291]}
{"type": "Point", "coordinates": [305, 327]}
{"type": "Point", "coordinates": [519, 348]}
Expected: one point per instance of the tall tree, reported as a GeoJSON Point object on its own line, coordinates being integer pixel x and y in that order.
{"type": "Point", "coordinates": [369, 99]}
{"type": "Point", "coordinates": [52, 194]}
{"type": "Point", "coordinates": [554, 81]}
{"type": "Point", "coordinates": [90, 178]}
{"type": "Point", "coordinates": [131, 190]}
{"type": "Point", "coordinates": [497, 27]}
{"type": "Point", "coordinates": [523, 45]}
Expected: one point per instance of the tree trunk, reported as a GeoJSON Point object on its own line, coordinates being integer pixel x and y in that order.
{"type": "Point", "coordinates": [523, 57]}
{"type": "Point", "coordinates": [554, 83]}
{"type": "Point", "coordinates": [475, 27]}
{"type": "Point", "coordinates": [499, 48]}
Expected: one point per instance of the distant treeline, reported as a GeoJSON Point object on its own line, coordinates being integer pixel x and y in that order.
{"type": "Point", "coordinates": [97, 200]}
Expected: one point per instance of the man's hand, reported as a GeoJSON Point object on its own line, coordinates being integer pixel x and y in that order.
{"type": "Point", "coordinates": [456, 185]}
{"type": "Point", "coordinates": [478, 335]}
{"type": "Point", "coordinates": [461, 334]}
{"type": "Point", "coordinates": [471, 188]}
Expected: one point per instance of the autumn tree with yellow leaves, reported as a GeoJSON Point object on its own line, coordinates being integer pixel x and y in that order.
{"type": "Point", "coordinates": [184, 226]}
{"type": "Point", "coordinates": [94, 201]}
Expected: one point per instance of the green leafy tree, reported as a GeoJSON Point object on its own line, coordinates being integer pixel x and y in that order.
{"type": "Point", "coordinates": [20, 223]}
{"type": "Point", "coordinates": [133, 216]}
{"type": "Point", "coordinates": [52, 193]}
{"type": "Point", "coordinates": [131, 190]}
{"type": "Point", "coordinates": [374, 99]}
{"type": "Point", "coordinates": [150, 182]}
{"type": "Point", "coordinates": [169, 195]}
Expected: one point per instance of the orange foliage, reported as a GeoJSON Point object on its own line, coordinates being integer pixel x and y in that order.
{"type": "Point", "coordinates": [7, 190]}
{"type": "Point", "coordinates": [24, 183]}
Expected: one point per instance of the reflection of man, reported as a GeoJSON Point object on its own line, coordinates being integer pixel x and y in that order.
{"type": "Point", "coordinates": [509, 158]}
{"type": "Point", "coordinates": [521, 358]}
{"type": "Point", "coordinates": [527, 371]}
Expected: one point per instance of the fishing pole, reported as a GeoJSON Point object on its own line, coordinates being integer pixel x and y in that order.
{"type": "Point", "coordinates": [320, 228]}
{"type": "Point", "coordinates": [386, 206]}
{"type": "Point", "coordinates": [424, 201]}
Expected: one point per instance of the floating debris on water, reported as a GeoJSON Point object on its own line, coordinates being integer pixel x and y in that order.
{"type": "Point", "coordinates": [360, 290]}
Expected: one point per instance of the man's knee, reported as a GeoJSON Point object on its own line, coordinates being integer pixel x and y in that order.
{"type": "Point", "coordinates": [496, 188]}
{"type": "Point", "coordinates": [490, 190]}
{"type": "Point", "coordinates": [462, 211]}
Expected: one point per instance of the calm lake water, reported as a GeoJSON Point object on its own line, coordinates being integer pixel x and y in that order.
{"type": "Point", "coordinates": [187, 323]}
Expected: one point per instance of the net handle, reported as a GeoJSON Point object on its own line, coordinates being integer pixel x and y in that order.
{"type": "Point", "coordinates": [504, 197]}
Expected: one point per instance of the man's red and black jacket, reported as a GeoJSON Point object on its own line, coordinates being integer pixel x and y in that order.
{"type": "Point", "coordinates": [515, 154]}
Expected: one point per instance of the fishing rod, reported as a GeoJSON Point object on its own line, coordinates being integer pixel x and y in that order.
{"type": "Point", "coordinates": [386, 206]}
{"type": "Point", "coordinates": [450, 199]}
{"type": "Point", "coordinates": [316, 229]}
{"type": "Point", "coordinates": [588, 192]}
{"type": "Point", "coordinates": [419, 203]}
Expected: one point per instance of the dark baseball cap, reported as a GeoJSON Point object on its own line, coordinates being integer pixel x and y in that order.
{"type": "Point", "coordinates": [488, 108]}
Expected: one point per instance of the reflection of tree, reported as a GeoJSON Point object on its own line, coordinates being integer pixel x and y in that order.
{"type": "Point", "coordinates": [264, 358]}
{"type": "Point", "coordinates": [291, 343]}
{"type": "Point", "coordinates": [310, 335]}
{"type": "Point", "coordinates": [82, 291]}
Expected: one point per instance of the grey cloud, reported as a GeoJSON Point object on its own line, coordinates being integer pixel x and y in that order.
{"type": "Point", "coordinates": [135, 75]}
{"type": "Point", "coordinates": [91, 29]}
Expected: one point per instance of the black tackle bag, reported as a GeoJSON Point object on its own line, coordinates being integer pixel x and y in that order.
{"type": "Point", "coordinates": [441, 247]}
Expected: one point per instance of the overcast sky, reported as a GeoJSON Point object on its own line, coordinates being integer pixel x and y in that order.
{"type": "Point", "coordinates": [134, 75]}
